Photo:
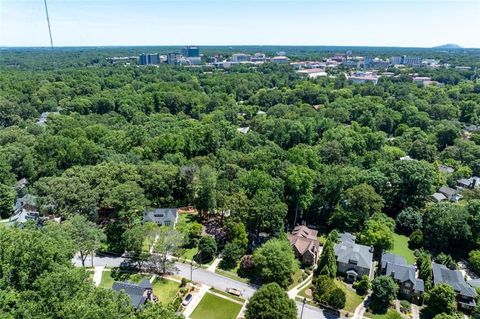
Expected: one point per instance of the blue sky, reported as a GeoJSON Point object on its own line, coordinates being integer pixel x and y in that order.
{"type": "Point", "coordinates": [419, 23]}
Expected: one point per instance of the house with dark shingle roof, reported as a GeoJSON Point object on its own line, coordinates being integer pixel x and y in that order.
{"type": "Point", "coordinates": [450, 193]}
{"type": "Point", "coordinates": [305, 244]}
{"type": "Point", "coordinates": [139, 293]}
{"type": "Point", "coordinates": [353, 260]}
{"type": "Point", "coordinates": [405, 275]}
{"type": "Point", "coordinates": [466, 295]}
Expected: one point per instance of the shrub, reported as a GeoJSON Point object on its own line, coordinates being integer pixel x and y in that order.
{"type": "Point", "coordinates": [362, 286]}
{"type": "Point", "coordinates": [416, 239]}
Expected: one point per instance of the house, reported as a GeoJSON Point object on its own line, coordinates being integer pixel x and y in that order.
{"type": "Point", "coordinates": [161, 216]}
{"type": "Point", "coordinates": [438, 197]}
{"type": "Point", "coordinates": [139, 293]}
{"type": "Point", "coordinates": [305, 244]}
{"type": "Point", "coordinates": [466, 295]}
{"type": "Point", "coordinates": [25, 210]}
{"type": "Point", "coordinates": [396, 266]}
{"type": "Point", "coordinates": [450, 193]}
{"type": "Point", "coordinates": [353, 260]}
{"type": "Point", "coordinates": [243, 130]}
{"type": "Point", "coordinates": [470, 183]}
{"type": "Point", "coordinates": [446, 169]}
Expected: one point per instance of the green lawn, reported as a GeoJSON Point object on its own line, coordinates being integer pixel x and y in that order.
{"type": "Point", "coordinates": [107, 280]}
{"type": "Point", "coordinates": [400, 247]}
{"type": "Point", "coordinates": [297, 278]}
{"type": "Point", "coordinates": [227, 294]}
{"type": "Point", "coordinates": [353, 300]}
{"type": "Point", "coordinates": [214, 307]}
{"type": "Point", "coordinates": [302, 292]}
{"type": "Point", "coordinates": [380, 316]}
{"type": "Point", "coordinates": [165, 289]}
{"type": "Point", "coordinates": [188, 253]}
{"type": "Point", "coordinates": [232, 275]}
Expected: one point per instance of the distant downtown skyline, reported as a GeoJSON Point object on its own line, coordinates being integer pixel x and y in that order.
{"type": "Point", "coordinates": [407, 23]}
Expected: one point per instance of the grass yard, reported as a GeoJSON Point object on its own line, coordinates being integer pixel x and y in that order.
{"type": "Point", "coordinates": [303, 293]}
{"type": "Point", "coordinates": [227, 294]}
{"type": "Point", "coordinates": [107, 280]}
{"type": "Point", "coordinates": [353, 300]}
{"type": "Point", "coordinates": [297, 278]}
{"type": "Point", "coordinates": [400, 247]}
{"type": "Point", "coordinates": [214, 307]}
{"type": "Point", "coordinates": [232, 275]}
{"type": "Point", "coordinates": [188, 253]}
{"type": "Point", "coordinates": [109, 277]}
{"type": "Point", "coordinates": [165, 290]}
{"type": "Point", "coordinates": [390, 312]}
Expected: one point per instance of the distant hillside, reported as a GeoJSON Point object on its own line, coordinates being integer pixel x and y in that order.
{"type": "Point", "coordinates": [448, 46]}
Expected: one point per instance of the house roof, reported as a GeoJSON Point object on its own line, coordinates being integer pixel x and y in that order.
{"type": "Point", "coordinates": [24, 215]}
{"type": "Point", "coordinates": [405, 273]}
{"type": "Point", "coordinates": [438, 197]}
{"type": "Point", "coordinates": [347, 237]}
{"type": "Point", "coordinates": [160, 214]}
{"type": "Point", "coordinates": [446, 169]}
{"type": "Point", "coordinates": [397, 267]}
{"type": "Point", "coordinates": [305, 232]}
{"type": "Point", "coordinates": [454, 278]}
{"type": "Point", "coordinates": [348, 252]}
{"type": "Point", "coordinates": [243, 130]}
{"type": "Point", "coordinates": [303, 245]}
{"type": "Point", "coordinates": [392, 259]}
{"type": "Point", "coordinates": [447, 191]}
{"type": "Point", "coordinates": [474, 283]}
{"type": "Point", "coordinates": [134, 291]}
{"type": "Point", "coordinates": [146, 284]}
{"type": "Point", "coordinates": [304, 239]}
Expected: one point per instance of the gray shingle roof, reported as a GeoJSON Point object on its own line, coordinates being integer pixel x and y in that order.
{"type": "Point", "coordinates": [397, 267]}
{"type": "Point", "coordinates": [349, 252]}
{"type": "Point", "coordinates": [134, 291]}
{"type": "Point", "coordinates": [392, 259]}
{"type": "Point", "coordinates": [454, 278]}
{"type": "Point", "coordinates": [405, 273]}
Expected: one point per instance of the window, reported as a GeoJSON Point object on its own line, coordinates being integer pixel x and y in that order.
{"type": "Point", "coordinates": [158, 215]}
{"type": "Point", "coordinates": [167, 223]}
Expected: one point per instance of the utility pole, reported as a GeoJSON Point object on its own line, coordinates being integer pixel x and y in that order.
{"type": "Point", "coordinates": [48, 22]}
{"type": "Point", "coordinates": [303, 306]}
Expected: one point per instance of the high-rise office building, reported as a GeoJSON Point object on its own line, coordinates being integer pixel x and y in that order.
{"type": "Point", "coordinates": [191, 51]}
{"type": "Point", "coordinates": [149, 59]}
{"type": "Point", "coordinates": [172, 58]}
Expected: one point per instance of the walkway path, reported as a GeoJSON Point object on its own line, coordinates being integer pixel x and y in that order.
{"type": "Point", "coordinates": [292, 293]}
{"type": "Point", "coordinates": [195, 301]}
{"type": "Point", "coordinates": [360, 310]}
{"type": "Point", "coordinates": [415, 312]}
{"type": "Point", "coordinates": [213, 266]}
{"type": "Point", "coordinates": [97, 275]}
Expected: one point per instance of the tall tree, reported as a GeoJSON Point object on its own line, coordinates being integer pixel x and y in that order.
{"type": "Point", "coordinates": [86, 235]}
{"type": "Point", "coordinates": [275, 262]}
{"type": "Point", "coordinates": [327, 263]}
{"type": "Point", "coordinates": [270, 302]}
{"type": "Point", "coordinates": [299, 183]}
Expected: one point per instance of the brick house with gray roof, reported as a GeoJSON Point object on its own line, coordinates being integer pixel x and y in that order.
{"type": "Point", "coordinates": [466, 295]}
{"type": "Point", "coordinates": [404, 274]}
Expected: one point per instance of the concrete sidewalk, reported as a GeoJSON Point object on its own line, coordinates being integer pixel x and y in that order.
{"type": "Point", "coordinates": [97, 275]}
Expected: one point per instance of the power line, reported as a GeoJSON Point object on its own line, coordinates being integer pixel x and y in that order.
{"type": "Point", "coordinates": [48, 22]}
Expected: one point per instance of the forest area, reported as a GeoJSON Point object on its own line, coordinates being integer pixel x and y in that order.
{"type": "Point", "coordinates": [326, 152]}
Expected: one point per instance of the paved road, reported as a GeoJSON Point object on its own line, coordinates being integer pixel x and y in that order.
{"type": "Point", "coordinates": [213, 280]}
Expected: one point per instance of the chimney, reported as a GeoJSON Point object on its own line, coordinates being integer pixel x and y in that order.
{"type": "Point", "coordinates": [474, 182]}
{"type": "Point", "coordinates": [371, 249]}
